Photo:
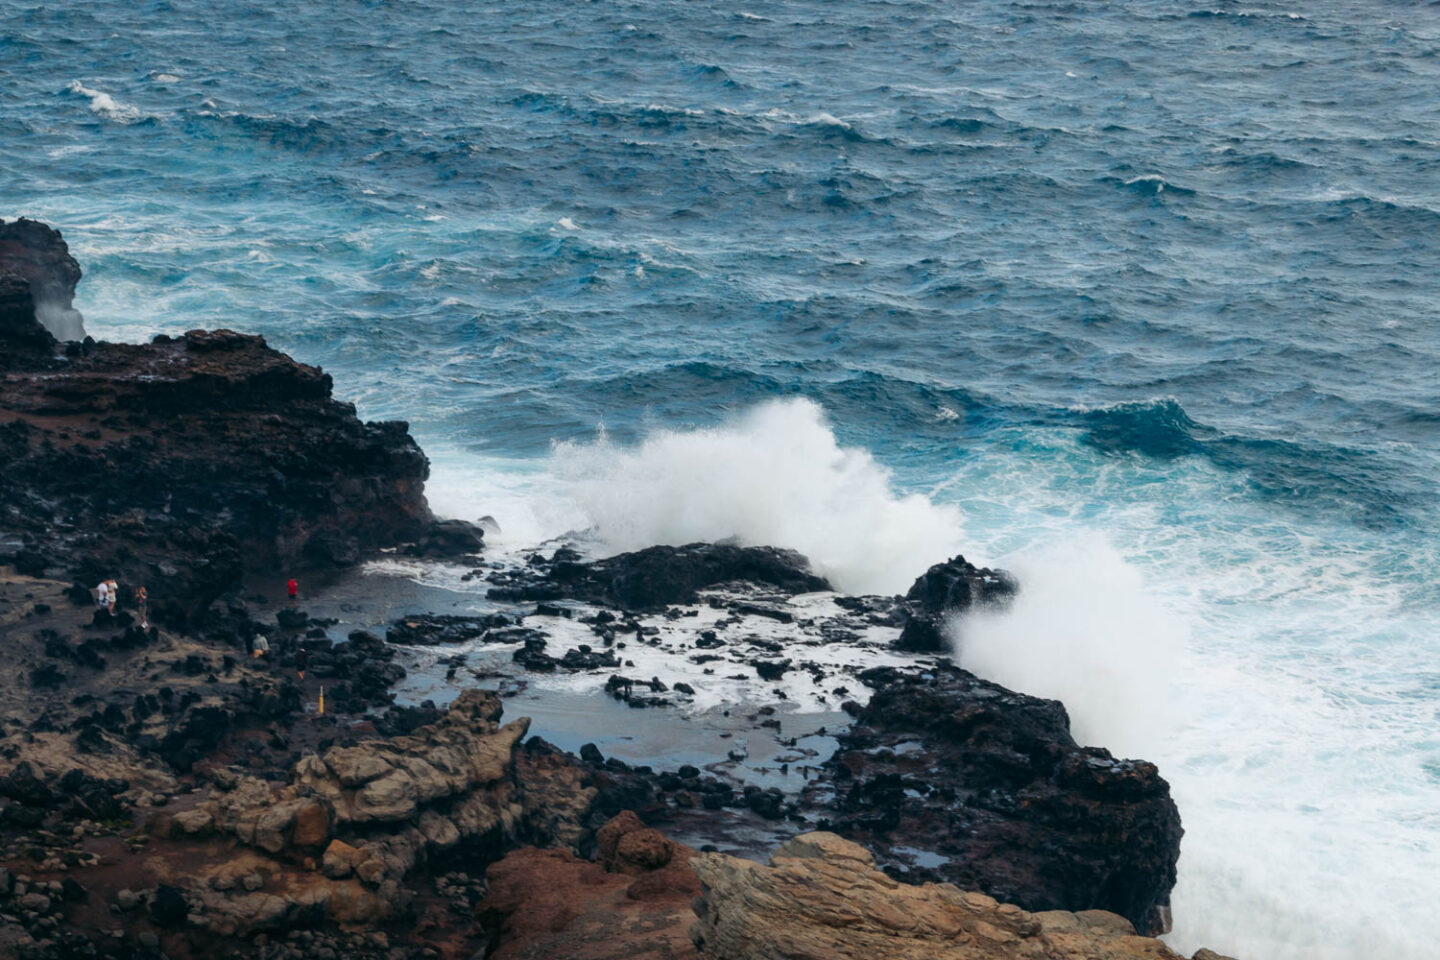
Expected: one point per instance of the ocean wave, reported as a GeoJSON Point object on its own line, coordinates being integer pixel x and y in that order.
{"type": "Point", "coordinates": [1149, 185]}
{"type": "Point", "coordinates": [1157, 428]}
{"type": "Point", "coordinates": [1315, 478]}
{"type": "Point", "coordinates": [105, 105]}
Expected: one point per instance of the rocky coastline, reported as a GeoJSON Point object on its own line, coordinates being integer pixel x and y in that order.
{"type": "Point", "coordinates": [163, 792]}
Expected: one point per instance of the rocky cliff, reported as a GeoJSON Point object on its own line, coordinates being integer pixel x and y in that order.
{"type": "Point", "coordinates": [183, 463]}
{"type": "Point", "coordinates": [991, 786]}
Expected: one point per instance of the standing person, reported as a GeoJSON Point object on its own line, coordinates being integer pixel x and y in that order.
{"type": "Point", "coordinates": [142, 604]}
{"type": "Point", "coordinates": [302, 660]}
{"type": "Point", "coordinates": [293, 589]}
{"type": "Point", "coordinates": [113, 594]}
{"type": "Point", "coordinates": [102, 595]}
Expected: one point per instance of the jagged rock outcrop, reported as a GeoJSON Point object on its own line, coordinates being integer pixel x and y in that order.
{"type": "Point", "coordinates": [450, 782]}
{"type": "Point", "coordinates": [954, 586]}
{"type": "Point", "coordinates": [950, 777]}
{"type": "Point", "coordinates": [821, 898]}
{"type": "Point", "coordinates": [364, 816]}
{"type": "Point", "coordinates": [657, 576]}
{"type": "Point", "coordinates": [37, 254]}
{"type": "Point", "coordinates": [182, 463]}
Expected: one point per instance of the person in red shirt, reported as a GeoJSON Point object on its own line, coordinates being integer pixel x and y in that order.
{"type": "Point", "coordinates": [293, 588]}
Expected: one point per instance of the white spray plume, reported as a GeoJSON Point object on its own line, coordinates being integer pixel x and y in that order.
{"type": "Point", "coordinates": [774, 475]}
{"type": "Point", "coordinates": [1083, 630]}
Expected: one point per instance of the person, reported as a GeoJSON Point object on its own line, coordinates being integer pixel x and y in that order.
{"type": "Point", "coordinates": [259, 646]}
{"type": "Point", "coordinates": [302, 660]}
{"type": "Point", "coordinates": [102, 595]}
{"type": "Point", "coordinates": [113, 594]}
{"type": "Point", "coordinates": [142, 604]}
{"type": "Point", "coordinates": [293, 589]}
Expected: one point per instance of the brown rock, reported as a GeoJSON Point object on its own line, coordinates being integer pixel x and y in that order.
{"type": "Point", "coordinates": [548, 904]}
{"type": "Point", "coordinates": [822, 899]}
{"type": "Point", "coordinates": [340, 860]}
{"type": "Point", "coordinates": [311, 825]}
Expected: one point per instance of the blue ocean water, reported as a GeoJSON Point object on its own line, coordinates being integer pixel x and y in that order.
{"type": "Point", "coordinates": [1139, 299]}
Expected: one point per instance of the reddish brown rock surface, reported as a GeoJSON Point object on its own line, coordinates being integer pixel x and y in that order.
{"type": "Point", "coordinates": [632, 905]}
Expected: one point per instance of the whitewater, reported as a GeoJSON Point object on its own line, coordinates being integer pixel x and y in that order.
{"type": "Point", "coordinates": [1137, 302]}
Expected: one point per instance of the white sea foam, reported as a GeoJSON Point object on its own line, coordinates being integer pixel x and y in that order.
{"type": "Point", "coordinates": [773, 475]}
{"type": "Point", "coordinates": [567, 224]}
{"type": "Point", "coordinates": [104, 104]}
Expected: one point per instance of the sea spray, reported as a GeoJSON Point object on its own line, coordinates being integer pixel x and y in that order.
{"type": "Point", "coordinates": [773, 475]}
{"type": "Point", "coordinates": [1083, 631]}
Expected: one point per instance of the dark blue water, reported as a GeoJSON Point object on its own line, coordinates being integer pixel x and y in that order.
{"type": "Point", "coordinates": [1140, 299]}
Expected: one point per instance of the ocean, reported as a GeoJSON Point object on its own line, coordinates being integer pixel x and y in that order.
{"type": "Point", "coordinates": [1137, 300]}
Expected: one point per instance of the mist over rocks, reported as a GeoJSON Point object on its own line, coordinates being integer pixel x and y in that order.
{"type": "Point", "coordinates": [37, 254]}
{"type": "Point", "coordinates": [955, 586]}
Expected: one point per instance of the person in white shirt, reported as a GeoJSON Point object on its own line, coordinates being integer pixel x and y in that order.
{"type": "Point", "coordinates": [260, 646]}
{"type": "Point", "coordinates": [102, 595]}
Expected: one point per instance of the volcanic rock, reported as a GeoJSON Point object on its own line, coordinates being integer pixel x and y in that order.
{"type": "Point", "coordinates": [657, 576]}
{"type": "Point", "coordinates": [954, 586]}
{"type": "Point", "coordinates": [37, 254]}
{"type": "Point", "coordinates": [991, 786]}
{"type": "Point", "coordinates": [182, 463]}
{"type": "Point", "coordinates": [632, 905]}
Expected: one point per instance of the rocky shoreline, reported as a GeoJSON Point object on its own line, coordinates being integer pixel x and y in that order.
{"type": "Point", "coordinates": [165, 793]}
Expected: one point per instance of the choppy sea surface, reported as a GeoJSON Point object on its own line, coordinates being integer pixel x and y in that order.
{"type": "Point", "coordinates": [1139, 300]}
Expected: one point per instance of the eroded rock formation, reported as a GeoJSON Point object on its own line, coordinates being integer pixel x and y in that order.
{"type": "Point", "coordinates": [821, 898]}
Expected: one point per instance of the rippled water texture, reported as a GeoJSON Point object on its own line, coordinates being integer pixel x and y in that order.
{"type": "Point", "coordinates": [1138, 299]}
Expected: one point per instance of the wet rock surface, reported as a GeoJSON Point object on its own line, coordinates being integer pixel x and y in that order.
{"type": "Point", "coordinates": [950, 777]}
{"type": "Point", "coordinates": [946, 589]}
{"type": "Point", "coordinates": [652, 578]}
